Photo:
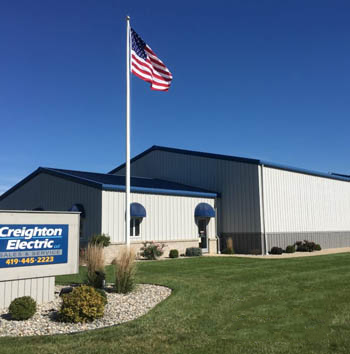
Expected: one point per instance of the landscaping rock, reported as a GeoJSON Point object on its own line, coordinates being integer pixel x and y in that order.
{"type": "Point", "coordinates": [120, 308]}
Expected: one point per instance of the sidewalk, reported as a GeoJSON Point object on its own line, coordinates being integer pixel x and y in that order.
{"type": "Point", "coordinates": [286, 255]}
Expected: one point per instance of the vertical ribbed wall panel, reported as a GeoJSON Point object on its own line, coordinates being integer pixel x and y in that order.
{"type": "Point", "coordinates": [238, 183]}
{"type": "Point", "coordinates": [40, 289]}
{"type": "Point", "coordinates": [297, 202]}
{"type": "Point", "coordinates": [169, 218]}
{"type": "Point", "coordinates": [57, 194]}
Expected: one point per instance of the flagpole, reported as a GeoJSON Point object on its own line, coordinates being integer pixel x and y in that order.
{"type": "Point", "coordinates": [127, 175]}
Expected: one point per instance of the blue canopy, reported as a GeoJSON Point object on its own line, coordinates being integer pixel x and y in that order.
{"type": "Point", "coordinates": [204, 210]}
{"type": "Point", "coordinates": [137, 210]}
{"type": "Point", "coordinates": [78, 207]}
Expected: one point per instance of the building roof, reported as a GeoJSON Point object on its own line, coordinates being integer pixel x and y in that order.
{"type": "Point", "coordinates": [236, 159]}
{"type": "Point", "coordinates": [117, 183]}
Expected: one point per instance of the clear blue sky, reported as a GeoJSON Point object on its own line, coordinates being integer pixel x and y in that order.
{"type": "Point", "coordinates": [260, 79]}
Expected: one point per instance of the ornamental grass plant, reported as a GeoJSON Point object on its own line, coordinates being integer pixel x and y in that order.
{"type": "Point", "coordinates": [95, 265]}
{"type": "Point", "coordinates": [125, 269]}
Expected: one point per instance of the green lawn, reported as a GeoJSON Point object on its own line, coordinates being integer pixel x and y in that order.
{"type": "Point", "coordinates": [226, 305]}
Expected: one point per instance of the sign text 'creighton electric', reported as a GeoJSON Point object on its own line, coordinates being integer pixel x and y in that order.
{"type": "Point", "coordinates": [28, 245]}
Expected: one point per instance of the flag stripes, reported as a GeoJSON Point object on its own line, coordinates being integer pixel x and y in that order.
{"type": "Point", "coordinates": [147, 66]}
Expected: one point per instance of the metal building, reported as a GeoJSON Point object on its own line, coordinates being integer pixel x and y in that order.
{"type": "Point", "coordinates": [188, 198]}
{"type": "Point", "coordinates": [175, 214]}
{"type": "Point", "coordinates": [261, 204]}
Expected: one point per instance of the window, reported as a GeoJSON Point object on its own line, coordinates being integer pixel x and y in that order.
{"type": "Point", "coordinates": [135, 226]}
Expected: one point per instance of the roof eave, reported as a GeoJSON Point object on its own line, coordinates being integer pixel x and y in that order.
{"type": "Point", "coordinates": [121, 188]}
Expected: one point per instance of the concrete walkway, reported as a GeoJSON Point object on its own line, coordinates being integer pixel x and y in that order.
{"type": "Point", "coordinates": [286, 255]}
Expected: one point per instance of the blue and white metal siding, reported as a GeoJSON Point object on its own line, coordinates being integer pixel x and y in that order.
{"type": "Point", "coordinates": [296, 202]}
{"type": "Point", "coordinates": [169, 218]}
{"type": "Point", "coordinates": [57, 194]}
{"type": "Point", "coordinates": [237, 182]}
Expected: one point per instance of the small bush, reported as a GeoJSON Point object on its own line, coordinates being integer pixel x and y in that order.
{"type": "Point", "coordinates": [22, 308]}
{"type": "Point", "coordinates": [100, 240]}
{"type": "Point", "coordinates": [255, 252]}
{"type": "Point", "coordinates": [125, 271]}
{"type": "Point", "coordinates": [95, 266]}
{"type": "Point", "coordinates": [276, 250]}
{"type": "Point", "coordinates": [318, 247]}
{"type": "Point", "coordinates": [151, 250]}
{"type": "Point", "coordinates": [83, 304]}
{"type": "Point", "coordinates": [173, 254]}
{"type": "Point", "coordinates": [193, 252]}
{"type": "Point", "coordinates": [228, 251]}
{"type": "Point", "coordinates": [306, 246]}
{"type": "Point", "coordinates": [290, 249]}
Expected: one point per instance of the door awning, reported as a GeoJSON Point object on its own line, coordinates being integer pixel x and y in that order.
{"type": "Point", "coordinates": [137, 210]}
{"type": "Point", "coordinates": [204, 210]}
{"type": "Point", "coordinates": [78, 207]}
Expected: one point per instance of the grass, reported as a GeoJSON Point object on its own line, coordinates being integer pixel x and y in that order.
{"type": "Point", "coordinates": [225, 305]}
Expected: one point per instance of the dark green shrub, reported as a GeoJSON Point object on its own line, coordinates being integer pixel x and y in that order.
{"type": "Point", "coordinates": [306, 246]}
{"type": "Point", "coordinates": [290, 249]}
{"type": "Point", "coordinates": [22, 308]}
{"type": "Point", "coordinates": [100, 240]}
{"type": "Point", "coordinates": [276, 250]}
{"type": "Point", "coordinates": [193, 252]}
{"type": "Point", "coordinates": [173, 254]}
{"type": "Point", "coordinates": [255, 252]}
{"type": "Point", "coordinates": [318, 247]}
{"type": "Point", "coordinates": [228, 251]}
{"type": "Point", "coordinates": [83, 304]}
{"type": "Point", "coordinates": [151, 250]}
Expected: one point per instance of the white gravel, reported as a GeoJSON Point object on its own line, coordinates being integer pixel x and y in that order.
{"type": "Point", "coordinates": [120, 308]}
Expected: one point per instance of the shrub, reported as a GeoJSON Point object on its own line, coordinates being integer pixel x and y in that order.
{"type": "Point", "coordinates": [125, 271]}
{"type": "Point", "coordinates": [173, 254]}
{"type": "Point", "coordinates": [22, 308]}
{"type": "Point", "coordinates": [318, 247]}
{"type": "Point", "coordinates": [193, 252]}
{"type": "Point", "coordinates": [306, 246]}
{"type": "Point", "coordinates": [151, 250]}
{"type": "Point", "coordinates": [95, 266]}
{"type": "Point", "coordinates": [228, 251]}
{"type": "Point", "coordinates": [100, 240]}
{"type": "Point", "coordinates": [255, 252]}
{"type": "Point", "coordinates": [276, 250]}
{"type": "Point", "coordinates": [83, 304]}
{"type": "Point", "coordinates": [290, 249]}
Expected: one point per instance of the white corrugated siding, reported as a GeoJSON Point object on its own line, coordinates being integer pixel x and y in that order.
{"type": "Point", "coordinates": [296, 202]}
{"type": "Point", "coordinates": [169, 218]}
{"type": "Point", "coordinates": [40, 289]}
{"type": "Point", "coordinates": [238, 207]}
{"type": "Point", "coordinates": [57, 194]}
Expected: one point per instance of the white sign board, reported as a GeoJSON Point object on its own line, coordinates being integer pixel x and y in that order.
{"type": "Point", "coordinates": [38, 244]}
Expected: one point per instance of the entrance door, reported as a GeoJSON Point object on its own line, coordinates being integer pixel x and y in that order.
{"type": "Point", "coordinates": [202, 233]}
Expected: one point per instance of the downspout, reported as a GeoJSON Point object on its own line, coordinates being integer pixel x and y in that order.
{"type": "Point", "coordinates": [216, 227]}
{"type": "Point", "coordinates": [263, 210]}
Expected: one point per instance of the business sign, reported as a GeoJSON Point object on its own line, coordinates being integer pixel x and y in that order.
{"type": "Point", "coordinates": [31, 245]}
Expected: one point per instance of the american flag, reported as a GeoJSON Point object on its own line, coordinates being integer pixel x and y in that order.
{"type": "Point", "coordinates": [147, 66]}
